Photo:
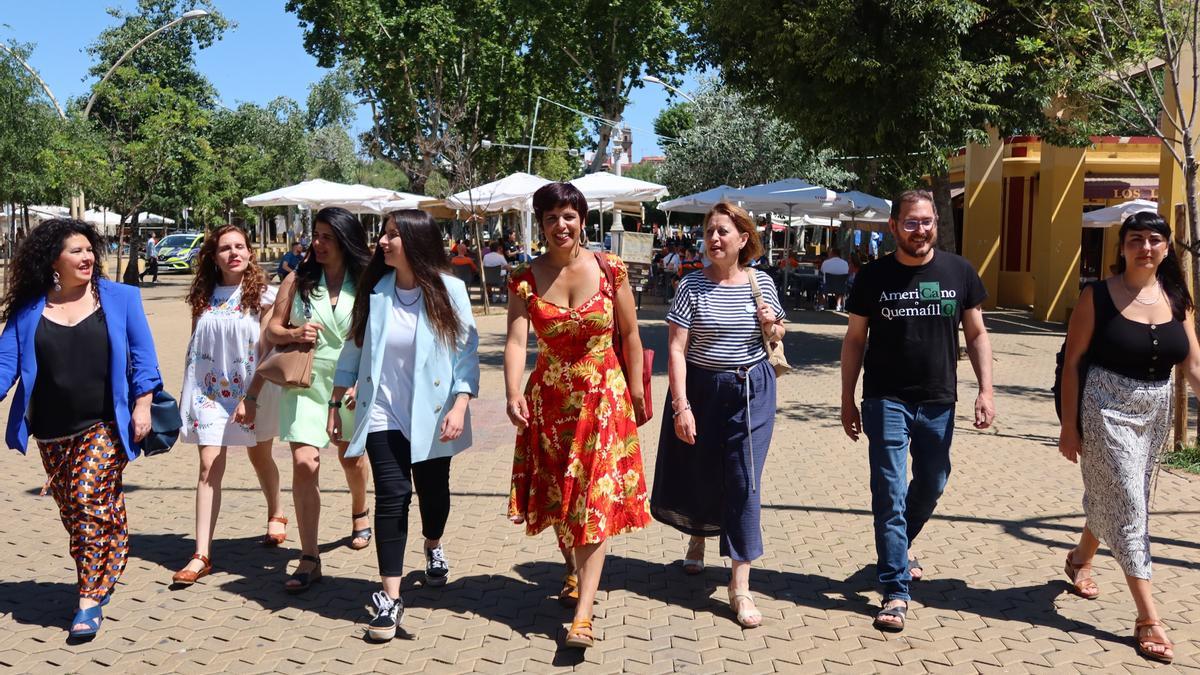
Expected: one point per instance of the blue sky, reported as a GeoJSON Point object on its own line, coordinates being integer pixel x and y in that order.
{"type": "Point", "coordinates": [259, 60]}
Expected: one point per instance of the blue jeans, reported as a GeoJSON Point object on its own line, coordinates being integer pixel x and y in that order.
{"type": "Point", "coordinates": [901, 508]}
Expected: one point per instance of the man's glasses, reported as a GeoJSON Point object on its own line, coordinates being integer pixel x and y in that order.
{"type": "Point", "coordinates": [913, 225]}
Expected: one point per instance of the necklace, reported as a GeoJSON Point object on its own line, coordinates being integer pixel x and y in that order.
{"type": "Point", "coordinates": [1136, 297]}
{"type": "Point", "coordinates": [396, 292]}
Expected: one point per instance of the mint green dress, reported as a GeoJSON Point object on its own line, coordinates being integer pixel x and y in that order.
{"type": "Point", "coordinates": [303, 412]}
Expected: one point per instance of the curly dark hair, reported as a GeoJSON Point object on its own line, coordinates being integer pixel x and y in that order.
{"type": "Point", "coordinates": [352, 240]}
{"type": "Point", "coordinates": [32, 273]}
{"type": "Point", "coordinates": [254, 281]}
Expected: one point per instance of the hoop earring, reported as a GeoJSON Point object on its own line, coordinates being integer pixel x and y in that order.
{"type": "Point", "coordinates": [57, 282]}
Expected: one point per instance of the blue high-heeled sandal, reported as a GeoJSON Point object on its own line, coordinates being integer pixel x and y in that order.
{"type": "Point", "coordinates": [90, 617]}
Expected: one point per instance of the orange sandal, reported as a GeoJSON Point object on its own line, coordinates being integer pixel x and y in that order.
{"type": "Point", "coordinates": [569, 595]}
{"type": "Point", "coordinates": [187, 577]}
{"type": "Point", "coordinates": [580, 636]}
{"type": "Point", "coordinates": [1143, 633]}
{"type": "Point", "coordinates": [273, 540]}
{"type": "Point", "coordinates": [1085, 588]}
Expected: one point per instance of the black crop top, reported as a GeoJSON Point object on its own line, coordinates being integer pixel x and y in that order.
{"type": "Point", "coordinates": [1138, 350]}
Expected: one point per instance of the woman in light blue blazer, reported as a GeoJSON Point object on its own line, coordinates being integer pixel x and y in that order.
{"type": "Point", "coordinates": [81, 354]}
{"type": "Point", "coordinates": [409, 369]}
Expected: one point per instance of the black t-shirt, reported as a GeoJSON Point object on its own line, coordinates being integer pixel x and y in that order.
{"type": "Point", "coordinates": [913, 316]}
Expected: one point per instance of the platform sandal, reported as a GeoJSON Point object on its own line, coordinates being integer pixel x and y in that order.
{"type": "Point", "coordinates": [186, 577]}
{"type": "Point", "coordinates": [364, 534]}
{"type": "Point", "coordinates": [1143, 633]}
{"type": "Point", "coordinates": [1086, 587]}
{"type": "Point", "coordinates": [304, 580]}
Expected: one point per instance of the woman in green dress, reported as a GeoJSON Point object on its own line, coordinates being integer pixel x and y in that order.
{"type": "Point", "coordinates": [316, 304]}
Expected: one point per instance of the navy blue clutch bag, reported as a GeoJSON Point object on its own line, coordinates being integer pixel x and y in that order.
{"type": "Point", "coordinates": [165, 423]}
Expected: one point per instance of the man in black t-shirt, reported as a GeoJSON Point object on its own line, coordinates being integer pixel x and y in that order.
{"type": "Point", "coordinates": [905, 310]}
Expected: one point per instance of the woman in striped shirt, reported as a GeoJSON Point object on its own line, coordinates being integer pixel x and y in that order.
{"type": "Point", "coordinates": [722, 403]}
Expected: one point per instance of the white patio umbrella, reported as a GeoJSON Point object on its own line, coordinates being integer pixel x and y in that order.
{"type": "Point", "coordinates": [1115, 215]}
{"type": "Point", "coordinates": [699, 202]}
{"type": "Point", "coordinates": [603, 187]}
{"type": "Point", "coordinates": [864, 207]}
{"type": "Point", "coordinates": [403, 200]}
{"type": "Point", "coordinates": [319, 193]}
{"type": "Point", "coordinates": [513, 192]}
{"type": "Point", "coordinates": [145, 217]}
{"type": "Point", "coordinates": [789, 194]}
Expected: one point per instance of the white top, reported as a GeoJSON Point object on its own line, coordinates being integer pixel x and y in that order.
{"type": "Point", "coordinates": [835, 266]}
{"type": "Point", "coordinates": [221, 359]}
{"type": "Point", "coordinates": [671, 262]}
{"type": "Point", "coordinates": [392, 408]}
{"type": "Point", "coordinates": [494, 259]}
{"type": "Point", "coordinates": [722, 320]}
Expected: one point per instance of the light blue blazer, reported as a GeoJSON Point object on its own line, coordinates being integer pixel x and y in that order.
{"type": "Point", "coordinates": [441, 373]}
{"type": "Point", "coordinates": [133, 365]}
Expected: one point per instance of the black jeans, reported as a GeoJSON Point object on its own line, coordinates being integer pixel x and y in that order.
{"type": "Point", "coordinates": [395, 476]}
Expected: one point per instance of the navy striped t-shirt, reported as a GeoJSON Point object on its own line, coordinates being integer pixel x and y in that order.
{"type": "Point", "coordinates": [722, 321]}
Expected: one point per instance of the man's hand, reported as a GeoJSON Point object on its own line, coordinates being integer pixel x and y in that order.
{"type": "Point", "coordinates": [985, 410]}
{"type": "Point", "coordinates": [851, 420]}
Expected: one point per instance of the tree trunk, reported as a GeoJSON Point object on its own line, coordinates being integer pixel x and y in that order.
{"type": "Point", "coordinates": [130, 276]}
{"type": "Point", "coordinates": [947, 241]}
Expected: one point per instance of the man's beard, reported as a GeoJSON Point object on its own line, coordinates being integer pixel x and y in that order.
{"type": "Point", "coordinates": [912, 249]}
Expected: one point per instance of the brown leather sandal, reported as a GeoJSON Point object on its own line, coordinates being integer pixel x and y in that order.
{"type": "Point", "coordinates": [580, 635]}
{"type": "Point", "coordinates": [1143, 633]}
{"type": "Point", "coordinates": [187, 577]}
{"type": "Point", "coordinates": [273, 540]}
{"type": "Point", "coordinates": [569, 595]}
{"type": "Point", "coordinates": [1086, 587]}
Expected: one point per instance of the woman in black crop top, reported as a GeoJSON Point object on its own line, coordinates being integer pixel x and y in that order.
{"type": "Point", "coordinates": [1134, 328]}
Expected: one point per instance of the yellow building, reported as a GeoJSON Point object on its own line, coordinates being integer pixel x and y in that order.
{"type": "Point", "coordinates": [1022, 205]}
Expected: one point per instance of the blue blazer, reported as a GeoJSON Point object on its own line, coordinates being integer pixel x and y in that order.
{"type": "Point", "coordinates": [133, 365]}
{"type": "Point", "coordinates": [441, 373]}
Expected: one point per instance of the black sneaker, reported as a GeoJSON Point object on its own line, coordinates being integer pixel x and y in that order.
{"type": "Point", "coordinates": [437, 569]}
{"type": "Point", "coordinates": [388, 613]}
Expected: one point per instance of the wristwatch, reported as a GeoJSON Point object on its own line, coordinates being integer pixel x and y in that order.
{"type": "Point", "coordinates": [335, 404]}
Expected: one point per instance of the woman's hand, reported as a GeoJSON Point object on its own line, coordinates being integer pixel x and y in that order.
{"type": "Point", "coordinates": [141, 418]}
{"type": "Point", "coordinates": [453, 422]}
{"type": "Point", "coordinates": [350, 399]}
{"type": "Point", "coordinates": [518, 412]}
{"type": "Point", "coordinates": [333, 426]}
{"type": "Point", "coordinates": [766, 316]}
{"type": "Point", "coordinates": [685, 427]}
{"type": "Point", "coordinates": [245, 413]}
{"type": "Point", "coordinates": [307, 333]}
{"type": "Point", "coordinates": [1069, 444]}
{"type": "Point", "coordinates": [638, 398]}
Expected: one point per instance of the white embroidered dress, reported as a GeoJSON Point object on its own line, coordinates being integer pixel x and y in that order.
{"type": "Point", "coordinates": [222, 356]}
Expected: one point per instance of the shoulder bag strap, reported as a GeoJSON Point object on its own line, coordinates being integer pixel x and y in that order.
{"type": "Point", "coordinates": [758, 303]}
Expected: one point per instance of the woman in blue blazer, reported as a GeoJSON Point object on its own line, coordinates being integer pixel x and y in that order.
{"type": "Point", "coordinates": [80, 352]}
{"type": "Point", "coordinates": [412, 363]}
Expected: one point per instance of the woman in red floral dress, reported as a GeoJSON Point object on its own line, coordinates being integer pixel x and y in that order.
{"type": "Point", "coordinates": [577, 466]}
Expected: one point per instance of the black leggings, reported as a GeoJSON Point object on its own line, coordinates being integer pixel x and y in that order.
{"type": "Point", "coordinates": [391, 465]}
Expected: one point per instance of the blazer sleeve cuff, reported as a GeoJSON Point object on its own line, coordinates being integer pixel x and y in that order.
{"type": "Point", "coordinates": [345, 378]}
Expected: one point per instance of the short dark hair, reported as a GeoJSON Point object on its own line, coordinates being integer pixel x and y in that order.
{"type": "Point", "coordinates": [553, 195]}
{"type": "Point", "coordinates": [911, 197]}
{"type": "Point", "coordinates": [495, 246]}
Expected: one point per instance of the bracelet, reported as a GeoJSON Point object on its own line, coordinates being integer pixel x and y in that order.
{"type": "Point", "coordinates": [251, 398]}
{"type": "Point", "coordinates": [676, 413]}
{"type": "Point", "coordinates": [333, 405]}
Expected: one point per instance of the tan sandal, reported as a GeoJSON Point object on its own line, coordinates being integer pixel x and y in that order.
{"type": "Point", "coordinates": [1086, 587]}
{"type": "Point", "coordinates": [747, 618]}
{"type": "Point", "coordinates": [580, 635]}
{"type": "Point", "coordinates": [1143, 633]}
{"type": "Point", "coordinates": [569, 595]}
{"type": "Point", "coordinates": [693, 557]}
{"type": "Point", "coordinates": [273, 540]}
{"type": "Point", "coordinates": [186, 577]}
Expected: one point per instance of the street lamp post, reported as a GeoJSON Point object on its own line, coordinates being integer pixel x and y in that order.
{"type": "Point", "coordinates": [79, 201]}
{"type": "Point", "coordinates": [655, 80]}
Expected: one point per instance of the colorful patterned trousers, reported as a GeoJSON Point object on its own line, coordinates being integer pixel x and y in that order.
{"type": "Point", "coordinates": [84, 475]}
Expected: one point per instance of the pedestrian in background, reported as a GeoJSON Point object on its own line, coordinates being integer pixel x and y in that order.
{"type": "Point", "coordinates": [82, 351]}
{"type": "Point", "coordinates": [1133, 328]}
{"type": "Point", "coordinates": [314, 307]}
{"type": "Point", "coordinates": [229, 299]}
{"type": "Point", "coordinates": [720, 411]}
{"type": "Point", "coordinates": [905, 312]}
{"type": "Point", "coordinates": [577, 464]}
{"type": "Point", "coordinates": [413, 364]}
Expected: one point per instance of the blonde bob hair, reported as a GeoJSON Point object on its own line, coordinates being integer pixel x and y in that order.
{"type": "Point", "coordinates": [744, 224]}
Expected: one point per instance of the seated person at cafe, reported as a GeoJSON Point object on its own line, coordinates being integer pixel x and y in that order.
{"type": "Point", "coordinates": [835, 265]}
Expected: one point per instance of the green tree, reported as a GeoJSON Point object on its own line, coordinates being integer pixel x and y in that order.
{"type": "Point", "coordinates": [329, 103]}
{"type": "Point", "coordinates": [331, 154]}
{"type": "Point", "coordinates": [601, 49]}
{"type": "Point", "coordinates": [26, 124]}
{"type": "Point", "coordinates": [440, 76]}
{"type": "Point", "coordinates": [673, 121]}
{"type": "Point", "coordinates": [646, 171]}
{"type": "Point", "coordinates": [734, 143]}
{"type": "Point", "coordinates": [899, 82]}
{"type": "Point", "coordinates": [256, 149]}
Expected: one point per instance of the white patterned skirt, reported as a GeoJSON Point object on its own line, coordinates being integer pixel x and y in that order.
{"type": "Point", "coordinates": [1125, 425]}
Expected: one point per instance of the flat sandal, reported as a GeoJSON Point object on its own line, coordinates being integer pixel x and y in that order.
{"type": "Point", "coordinates": [1085, 588]}
{"type": "Point", "coordinates": [1148, 638]}
{"type": "Point", "coordinates": [580, 635]}
{"type": "Point", "coordinates": [569, 595]}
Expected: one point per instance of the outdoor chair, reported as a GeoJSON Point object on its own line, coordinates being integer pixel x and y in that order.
{"type": "Point", "coordinates": [493, 282]}
{"type": "Point", "coordinates": [835, 285]}
{"type": "Point", "coordinates": [465, 274]}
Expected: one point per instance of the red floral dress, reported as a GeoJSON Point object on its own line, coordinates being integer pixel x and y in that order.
{"type": "Point", "coordinates": [578, 464]}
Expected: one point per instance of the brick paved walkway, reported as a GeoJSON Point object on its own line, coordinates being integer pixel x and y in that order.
{"type": "Point", "coordinates": [994, 599]}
